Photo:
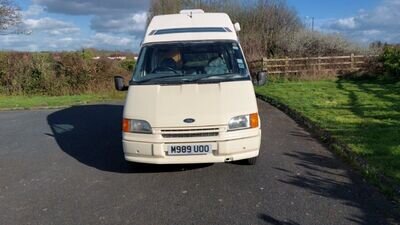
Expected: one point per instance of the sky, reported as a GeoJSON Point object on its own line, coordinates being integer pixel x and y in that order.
{"type": "Point", "coordinates": [59, 25]}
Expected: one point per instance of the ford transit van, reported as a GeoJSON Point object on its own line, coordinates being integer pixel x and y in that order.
{"type": "Point", "coordinates": [191, 97]}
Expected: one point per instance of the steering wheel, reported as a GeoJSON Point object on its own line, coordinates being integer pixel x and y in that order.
{"type": "Point", "coordinates": [164, 68]}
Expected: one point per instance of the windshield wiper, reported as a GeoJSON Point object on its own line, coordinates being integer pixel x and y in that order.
{"type": "Point", "coordinates": [180, 75]}
{"type": "Point", "coordinates": [212, 75]}
{"type": "Point", "coordinates": [156, 78]}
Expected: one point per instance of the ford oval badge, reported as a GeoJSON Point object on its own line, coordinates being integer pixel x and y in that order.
{"type": "Point", "coordinates": [188, 120]}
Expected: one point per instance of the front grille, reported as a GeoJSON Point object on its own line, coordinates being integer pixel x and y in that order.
{"type": "Point", "coordinates": [190, 132]}
{"type": "Point", "coordinates": [185, 135]}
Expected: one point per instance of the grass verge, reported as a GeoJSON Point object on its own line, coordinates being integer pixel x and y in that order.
{"type": "Point", "coordinates": [361, 116]}
{"type": "Point", "coordinates": [28, 102]}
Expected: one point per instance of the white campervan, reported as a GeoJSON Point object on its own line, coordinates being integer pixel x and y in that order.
{"type": "Point", "coordinates": [191, 98]}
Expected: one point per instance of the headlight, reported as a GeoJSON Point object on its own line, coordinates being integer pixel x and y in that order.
{"type": "Point", "coordinates": [136, 126]}
{"type": "Point", "coordinates": [243, 122]}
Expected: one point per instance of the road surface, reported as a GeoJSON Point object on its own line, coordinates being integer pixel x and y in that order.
{"type": "Point", "coordinates": [66, 167]}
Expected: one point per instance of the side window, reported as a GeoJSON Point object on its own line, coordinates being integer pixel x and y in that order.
{"type": "Point", "coordinates": [140, 67]}
{"type": "Point", "coordinates": [239, 63]}
{"type": "Point", "coordinates": [148, 61]}
{"type": "Point", "coordinates": [228, 59]}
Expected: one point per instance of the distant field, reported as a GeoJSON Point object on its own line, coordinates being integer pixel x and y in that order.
{"type": "Point", "coordinates": [23, 102]}
{"type": "Point", "coordinates": [363, 114]}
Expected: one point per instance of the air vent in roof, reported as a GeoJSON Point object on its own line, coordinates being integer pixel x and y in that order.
{"type": "Point", "coordinates": [191, 11]}
{"type": "Point", "coordinates": [190, 30]}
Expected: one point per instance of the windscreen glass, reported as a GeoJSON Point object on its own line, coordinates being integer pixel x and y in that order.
{"type": "Point", "coordinates": [190, 62]}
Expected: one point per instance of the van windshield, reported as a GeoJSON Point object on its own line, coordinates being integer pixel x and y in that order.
{"type": "Point", "coordinates": [190, 62]}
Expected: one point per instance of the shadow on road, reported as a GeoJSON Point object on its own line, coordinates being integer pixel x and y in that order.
{"type": "Point", "coordinates": [316, 174]}
{"type": "Point", "coordinates": [273, 221]}
{"type": "Point", "coordinates": [324, 176]}
{"type": "Point", "coordinates": [92, 135]}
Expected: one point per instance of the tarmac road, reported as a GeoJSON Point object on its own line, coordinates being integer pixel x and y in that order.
{"type": "Point", "coordinates": [66, 167]}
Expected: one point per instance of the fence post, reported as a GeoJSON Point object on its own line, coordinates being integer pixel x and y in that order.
{"type": "Point", "coordinates": [264, 64]}
{"type": "Point", "coordinates": [352, 61]}
{"type": "Point", "coordinates": [319, 64]}
{"type": "Point", "coordinates": [286, 65]}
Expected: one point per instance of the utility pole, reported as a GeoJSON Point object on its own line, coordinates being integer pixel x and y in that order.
{"type": "Point", "coordinates": [307, 22]}
{"type": "Point", "coordinates": [312, 24]}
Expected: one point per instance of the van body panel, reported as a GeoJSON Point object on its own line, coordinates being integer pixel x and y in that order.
{"type": "Point", "coordinates": [158, 135]}
{"type": "Point", "coordinates": [191, 79]}
{"type": "Point", "coordinates": [209, 104]}
{"type": "Point", "coordinates": [185, 21]}
{"type": "Point", "coordinates": [224, 151]}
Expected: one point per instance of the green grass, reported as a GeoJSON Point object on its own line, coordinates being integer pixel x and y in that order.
{"type": "Point", "coordinates": [25, 102]}
{"type": "Point", "coordinates": [363, 114]}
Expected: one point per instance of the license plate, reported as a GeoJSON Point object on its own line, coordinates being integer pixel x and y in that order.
{"type": "Point", "coordinates": [189, 149]}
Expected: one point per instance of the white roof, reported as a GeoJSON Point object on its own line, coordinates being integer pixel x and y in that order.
{"type": "Point", "coordinates": [190, 25]}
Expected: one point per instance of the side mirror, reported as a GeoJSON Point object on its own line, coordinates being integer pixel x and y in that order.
{"type": "Point", "coordinates": [261, 78]}
{"type": "Point", "coordinates": [237, 27]}
{"type": "Point", "coordinates": [120, 83]}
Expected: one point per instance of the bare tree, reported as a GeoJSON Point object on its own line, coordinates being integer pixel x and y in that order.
{"type": "Point", "coordinates": [269, 27]}
{"type": "Point", "coordinates": [9, 15]}
{"type": "Point", "coordinates": [311, 43]}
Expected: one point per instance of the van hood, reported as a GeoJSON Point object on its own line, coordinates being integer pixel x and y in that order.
{"type": "Point", "coordinates": [167, 106]}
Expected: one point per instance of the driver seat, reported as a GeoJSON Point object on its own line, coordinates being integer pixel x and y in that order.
{"type": "Point", "coordinates": [170, 63]}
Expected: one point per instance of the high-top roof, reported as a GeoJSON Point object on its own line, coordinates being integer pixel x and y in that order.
{"type": "Point", "coordinates": [190, 25]}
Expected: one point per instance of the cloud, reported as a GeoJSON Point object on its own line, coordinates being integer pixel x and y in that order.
{"type": "Point", "coordinates": [381, 23]}
{"type": "Point", "coordinates": [343, 24]}
{"type": "Point", "coordinates": [116, 28]}
{"type": "Point", "coordinates": [32, 11]}
{"type": "Point", "coordinates": [38, 43]}
{"type": "Point", "coordinates": [133, 23]}
{"type": "Point", "coordinates": [67, 42]}
{"type": "Point", "coordinates": [116, 16]}
{"type": "Point", "coordinates": [45, 33]}
{"type": "Point", "coordinates": [91, 7]}
{"type": "Point", "coordinates": [50, 26]}
{"type": "Point", "coordinates": [111, 42]}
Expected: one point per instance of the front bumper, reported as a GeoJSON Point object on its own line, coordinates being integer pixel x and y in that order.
{"type": "Point", "coordinates": [231, 147]}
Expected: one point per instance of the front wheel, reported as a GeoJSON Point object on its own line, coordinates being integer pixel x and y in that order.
{"type": "Point", "coordinates": [251, 161]}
